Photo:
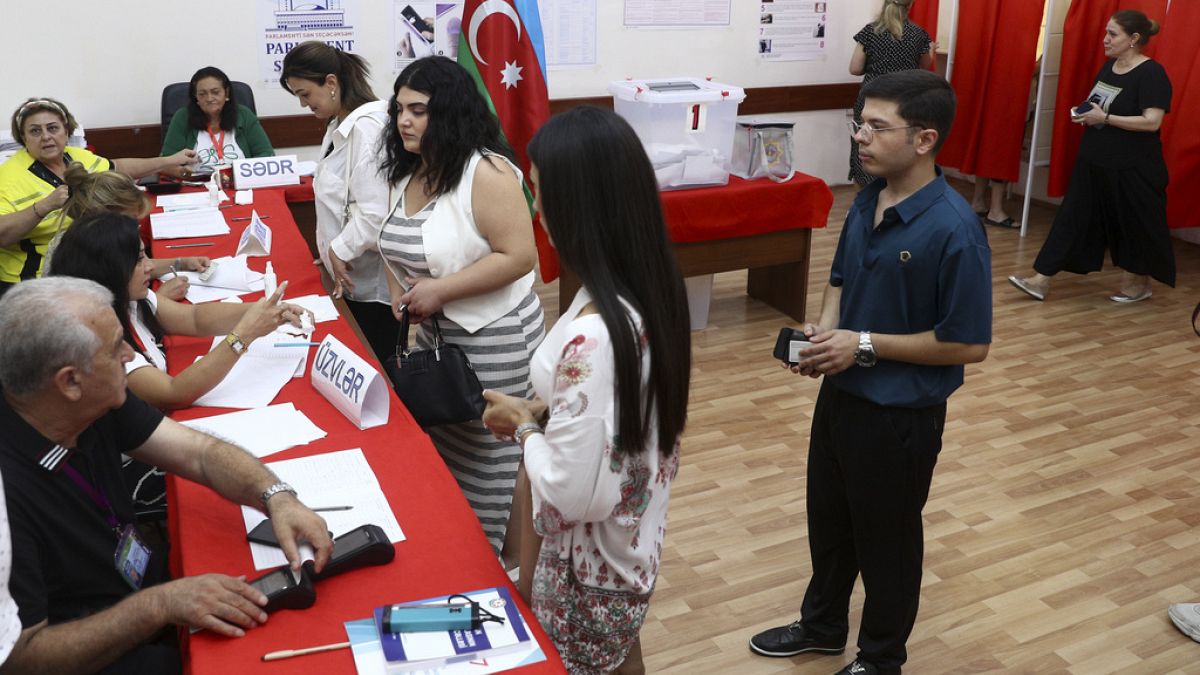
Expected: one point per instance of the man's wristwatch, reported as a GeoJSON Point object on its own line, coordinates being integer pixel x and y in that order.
{"type": "Point", "coordinates": [274, 490]}
{"type": "Point", "coordinates": [865, 354]}
{"type": "Point", "coordinates": [235, 343]}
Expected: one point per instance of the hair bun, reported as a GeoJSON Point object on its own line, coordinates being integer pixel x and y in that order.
{"type": "Point", "coordinates": [1153, 27]}
{"type": "Point", "coordinates": [75, 175]}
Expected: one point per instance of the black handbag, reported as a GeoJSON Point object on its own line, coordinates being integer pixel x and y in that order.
{"type": "Point", "coordinates": [438, 386]}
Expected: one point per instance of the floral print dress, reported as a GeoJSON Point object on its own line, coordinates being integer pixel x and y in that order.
{"type": "Point", "coordinates": [602, 511]}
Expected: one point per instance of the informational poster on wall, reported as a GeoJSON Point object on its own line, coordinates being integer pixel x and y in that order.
{"type": "Point", "coordinates": [286, 23]}
{"type": "Point", "coordinates": [676, 13]}
{"type": "Point", "coordinates": [792, 30]}
{"type": "Point", "coordinates": [569, 29]}
{"type": "Point", "coordinates": [422, 29]}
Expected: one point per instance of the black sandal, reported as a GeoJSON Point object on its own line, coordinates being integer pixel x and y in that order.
{"type": "Point", "coordinates": [1007, 222]}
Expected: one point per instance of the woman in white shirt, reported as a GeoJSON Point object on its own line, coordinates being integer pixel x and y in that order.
{"type": "Point", "coordinates": [351, 193]}
{"type": "Point", "coordinates": [601, 441]}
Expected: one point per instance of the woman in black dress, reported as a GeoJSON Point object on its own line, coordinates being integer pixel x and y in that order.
{"type": "Point", "coordinates": [1117, 196]}
{"type": "Point", "coordinates": [889, 44]}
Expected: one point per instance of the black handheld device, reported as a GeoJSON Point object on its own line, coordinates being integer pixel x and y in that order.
{"type": "Point", "coordinates": [788, 345]}
{"type": "Point", "coordinates": [364, 545]}
{"type": "Point", "coordinates": [415, 19]}
{"type": "Point", "coordinates": [286, 589]}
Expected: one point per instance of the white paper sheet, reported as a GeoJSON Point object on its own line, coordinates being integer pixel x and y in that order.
{"type": "Point", "coordinates": [320, 305]}
{"type": "Point", "coordinates": [231, 273]}
{"type": "Point", "coordinates": [206, 222]}
{"type": "Point", "coordinates": [255, 380]}
{"type": "Point", "coordinates": [184, 201]}
{"type": "Point", "coordinates": [342, 478]}
{"type": "Point", "coordinates": [262, 431]}
{"type": "Point", "coordinates": [284, 340]}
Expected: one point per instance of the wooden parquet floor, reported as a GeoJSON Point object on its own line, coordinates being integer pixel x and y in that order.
{"type": "Point", "coordinates": [1065, 510]}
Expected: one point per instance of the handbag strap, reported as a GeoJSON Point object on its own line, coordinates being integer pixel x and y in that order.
{"type": "Point", "coordinates": [402, 336]}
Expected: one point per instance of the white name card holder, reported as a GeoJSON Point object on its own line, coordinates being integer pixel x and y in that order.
{"type": "Point", "coordinates": [355, 388]}
{"type": "Point", "coordinates": [265, 172]}
{"type": "Point", "coordinates": [256, 238]}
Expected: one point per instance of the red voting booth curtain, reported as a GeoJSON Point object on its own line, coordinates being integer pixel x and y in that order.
{"type": "Point", "coordinates": [1179, 53]}
{"type": "Point", "coordinates": [1082, 56]}
{"type": "Point", "coordinates": [994, 56]}
{"type": "Point", "coordinates": [924, 13]}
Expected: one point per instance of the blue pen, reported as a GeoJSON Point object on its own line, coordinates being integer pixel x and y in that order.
{"type": "Point", "coordinates": [297, 344]}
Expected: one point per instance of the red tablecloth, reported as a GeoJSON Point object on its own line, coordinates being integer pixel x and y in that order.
{"type": "Point", "coordinates": [746, 207]}
{"type": "Point", "coordinates": [740, 209]}
{"type": "Point", "coordinates": [444, 552]}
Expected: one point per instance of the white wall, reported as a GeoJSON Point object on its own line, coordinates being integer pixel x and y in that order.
{"type": "Point", "coordinates": [109, 61]}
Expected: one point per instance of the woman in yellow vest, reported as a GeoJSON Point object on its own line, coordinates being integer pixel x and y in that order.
{"type": "Point", "coordinates": [32, 187]}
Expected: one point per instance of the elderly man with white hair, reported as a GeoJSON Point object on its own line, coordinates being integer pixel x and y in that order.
{"type": "Point", "coordinates": [93, 596]}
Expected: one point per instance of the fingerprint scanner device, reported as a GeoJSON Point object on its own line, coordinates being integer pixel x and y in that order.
{"type": "Point", "coordinates": [287, 589]}
{"type": "Point", "coordinates": [208, 273]}
{"type": "Point", "coordinates": [424, 618]}
{"type": "Point", "coordinates": [363, 546]}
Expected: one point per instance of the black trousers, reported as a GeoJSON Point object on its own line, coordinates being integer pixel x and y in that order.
{"type": "Point", "coordinates": [378, 325]}
{"type": "Point", "coordinates": [869, 469]}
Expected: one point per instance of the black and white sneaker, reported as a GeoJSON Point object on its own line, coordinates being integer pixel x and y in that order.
{"type": "Point", "coordinates": [858, 667]}
{"type": "Point", "coordinates": [791, 640]}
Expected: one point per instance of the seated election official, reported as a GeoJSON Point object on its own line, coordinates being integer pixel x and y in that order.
{"type": "Point", "coordinates": [114, 191]}
{"type": "Point", "coordinates": [214, 124]}
{"type": "Point", "coordinates": [33, 183]}
{"type": "Point", "coordinates": [92, 595]}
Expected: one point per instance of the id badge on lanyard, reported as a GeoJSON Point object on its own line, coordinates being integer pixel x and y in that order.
{"type": "Point", "coordinates": [132, 555]}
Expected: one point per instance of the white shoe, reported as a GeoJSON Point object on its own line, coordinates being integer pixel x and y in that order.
{"type": "Point", "coordinates": [1035, 292]}
{"type": "Point", "coordinates": [1186, 617]}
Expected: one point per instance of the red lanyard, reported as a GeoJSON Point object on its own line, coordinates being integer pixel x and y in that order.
{"type": "Point", "coordinates": [218, 143]}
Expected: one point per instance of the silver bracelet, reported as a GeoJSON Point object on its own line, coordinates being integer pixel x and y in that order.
{"type": "Point", "coordinates": [523, 430]}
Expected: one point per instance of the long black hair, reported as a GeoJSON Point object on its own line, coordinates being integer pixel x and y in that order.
{"type": "Point", "coordinates": [460, 124]}
{"type": "Point", "coordinates": [197, 119]}
{"type": "Point", "coordinates": [103, 247]}
{"type": "Point", "coordinates": [599, 203]}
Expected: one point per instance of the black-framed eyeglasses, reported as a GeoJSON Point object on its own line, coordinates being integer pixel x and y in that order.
{"type": "Point", "coordinates": [868, 132]}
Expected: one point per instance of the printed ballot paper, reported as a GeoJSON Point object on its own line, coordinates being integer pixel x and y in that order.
{"type": "Point", "coordinates": [184, 202]}
{"type": "Point", "coordinates": [256, 378]}
{"type": "Point", "coordinates": [355, 388]}
{"type": "Point", "coordinates": [228, 277]}
{"type": "Point", "coordinates": [204, 222]}
{"type": "Point", "coordinates": [342, 478]}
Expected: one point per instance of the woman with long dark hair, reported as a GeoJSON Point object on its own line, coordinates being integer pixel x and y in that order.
{"type": "Point", "coordinates": [351, 195]}
{"type": "Point", "coordinates": [1117, 196]}
{"type": "Point", "coordinates": [601, 441]}
{"type": "Point", "coordinates": [458, 244]}
{"type": "Point", "coordinates": [214, 124]}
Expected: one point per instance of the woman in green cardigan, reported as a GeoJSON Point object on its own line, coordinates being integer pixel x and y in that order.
{"type": "Point", "coordinates": [214, 124]}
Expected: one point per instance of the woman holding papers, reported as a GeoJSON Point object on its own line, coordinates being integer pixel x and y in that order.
{"type": "Point", "coordinates": [351, 194]}
{"type": "Point", "coordinates": [106, 248]}
{"type": "Point", "coordinates": [214, 124]}
{"type": "Point", "coordinates": [33, 183]}
{"type": "Point", "coordinates": [458, 244]}
{"type": "Point", "coordinates": [117, 193]}
{"type": "Point", "coordinates": [601, 441]}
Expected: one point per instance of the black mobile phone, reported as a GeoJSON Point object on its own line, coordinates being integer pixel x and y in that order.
{"type": "Point", "coordinates": [264, 533]}
{"type": "Point", "coordinates": [415, 19]}
{"type": "Point", "coordinates": [1084, 107]}
{"type": "Point", "coordinates": [788, 345]}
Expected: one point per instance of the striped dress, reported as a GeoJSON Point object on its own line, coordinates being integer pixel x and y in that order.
{"type": "Point", "coordinates": [485, 468]}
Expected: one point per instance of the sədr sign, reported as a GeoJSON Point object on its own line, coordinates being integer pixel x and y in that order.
{"type": "Point", "coordinates": [350, 384]}
{"type": "Point", "coordinates": [265, 172]}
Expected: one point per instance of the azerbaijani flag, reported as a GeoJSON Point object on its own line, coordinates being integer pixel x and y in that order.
{"type": "Point", "coordinates": [501, 46]}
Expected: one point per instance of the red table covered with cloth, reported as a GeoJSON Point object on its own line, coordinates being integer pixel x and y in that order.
{"type": "Point", "coordinates": [758, 225]}
{"type": "Point", "coordinates": [444, 552]}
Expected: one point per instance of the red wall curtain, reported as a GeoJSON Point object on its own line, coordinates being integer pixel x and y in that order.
{"type": "Point", "coordinates": [1082, 56]}
{"type": "Point", "coordinates": [1179, 53]}
{"type": "Point", "coordinates": [994, 56]}
{"type": "Point", "coordinates": [924, 13]}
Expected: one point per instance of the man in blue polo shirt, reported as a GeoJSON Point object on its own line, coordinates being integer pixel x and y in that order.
{"type": "Point", "coordinates": [909, 301]}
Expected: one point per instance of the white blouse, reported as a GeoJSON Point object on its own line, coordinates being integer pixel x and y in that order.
{"type": "Point", "coordinates": [153, 356]}
{"type": "Point", "coordinates": [604, 510]}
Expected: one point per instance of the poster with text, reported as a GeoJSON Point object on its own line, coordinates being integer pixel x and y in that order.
{"type": "Point", "coordinates": [676, 13]}
{"type": "Point", "coordinates": [792, 30]}
{"type": "Point", "coordinates": [424, 29]}
{"type": "Point", "coordinates": [286, 23]}
{"type": "Point", "coordinates": [569, 30]}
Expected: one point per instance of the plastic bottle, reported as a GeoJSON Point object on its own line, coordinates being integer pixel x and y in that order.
{"type": "Point", "coordinates": [270, 283]}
